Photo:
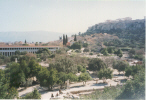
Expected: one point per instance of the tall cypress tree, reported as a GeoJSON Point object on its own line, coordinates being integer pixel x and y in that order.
{"type": "Point", "coordinates": [25, 41]}
{"type": "Point", "coordinates": [75, 38]}
{"type": "Point", "coordinates": [63, 39]}
{"type": "Point", "coordinates": [66, 39]}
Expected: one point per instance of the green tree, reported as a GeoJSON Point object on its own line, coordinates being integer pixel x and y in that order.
{"type": "Point", "coordinates": [110, 50]}
{"type": "Point", "coordinates": [32, 64]}
{"type": "Point", "coordinates": [53, 78]}
{"type": "Point", "coordinates": [104, 52]}
{"type": "Point", "coordinates": [132, 70]}
{"type": "Point", "coordinates": [36, 44]}
{"type": "Point", "coordinates": [4, 85]}
{"type": "Point", "coordinates": [24, 53]}
{"type": "Point", "coordinates": [134, 89]}
{"type": "Point", "coordinates": [12, 93]}
{"type": "Point", "coordinates": [17, 76]}
{"type": "Point", "coordinates": [83, 70]}
{"type": "Point", "coordinates": [13, 57]}
{"type": "Point", "coordinates": [90, 53]}
{"type": "Point", "coordinates": [78, 51]}
{"type": "Point", "coordinates": [80, 68]}
{"type": "Point", "coordinates": [86, 50]}
{"type": "Point", "coordinates": [105, 73]}
{"type": "Point", "coordinates": [132, 51]}
{"type": "Point", "coordinates": [120, 65]}
{"type": "Point", "coordinates": [75, 38]}
{"type": "Point", "coordinates": [44, 53]}
{"type": "Point", "coordinates": [6, 92]}
{"type": "Point", "coordinates": [62, 77]}
{"type": "Point", "coordinates": [76, 45]}
{"type": "Point", "coordinates": [66, 39]}
{"type": "Point", "coordinates": [96, 64]}
{"type": "Point", "coordinates": [119, 53]}
{"type": "Point", "coordinates": [44, 50]}
{"type": "Point", "coordinates": [26, 70]}
{"type": "Point", "coordinates": [25, 41]}
{"type": "Point", "coordinates": [128, 71]}
{"type": "Point", "coordinates": [85, 44]}
{"type": "Point", "coordinates": [34, 95]}
{"type": "Point", "coordinates": [72, 77]}
{"type": "Point", "coordinates": [48, 78]}
{"type": "Point", "coordinates": [43, 78]}
{"type": "Point", "coordinates": [6, 59]}
{"type": "Point", "coordinates": [17, 52]}
{"type": "Point", "coordinates": [24, 67]}
{"type": "Point", "coordinates": [84, 77]}
{"type": "Point", "coordinates": [64, 64]}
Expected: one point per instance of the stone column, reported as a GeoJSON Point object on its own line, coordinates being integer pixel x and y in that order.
{"type": "Point", "coordinates": [16, 60]}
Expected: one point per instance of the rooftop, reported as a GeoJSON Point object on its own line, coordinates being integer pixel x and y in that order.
{"type": "Point", "coordinates": [9, 46]}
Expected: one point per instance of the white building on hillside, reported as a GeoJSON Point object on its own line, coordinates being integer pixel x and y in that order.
{"type": "Point", "coordinates": [10, 50]}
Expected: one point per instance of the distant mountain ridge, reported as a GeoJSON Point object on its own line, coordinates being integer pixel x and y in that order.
{"type": "Point", "coordinates": [30, 36]}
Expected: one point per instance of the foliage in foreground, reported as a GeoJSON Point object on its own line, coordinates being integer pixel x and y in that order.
{"type": "Point", "coordinates": [6, 92]}
{"type": "Point", "coordinates": [133, 89]}
{"type": "Point", "coordinates": [108, 93]}
{"type": "Point", "coordinates": [34, 95]}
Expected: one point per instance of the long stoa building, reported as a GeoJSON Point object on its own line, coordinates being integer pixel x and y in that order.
{"type": "Point", "coordinates": [10, 50]}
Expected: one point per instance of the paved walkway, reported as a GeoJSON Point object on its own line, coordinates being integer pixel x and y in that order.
{"type": "Point", "coordinates": [73, 87]}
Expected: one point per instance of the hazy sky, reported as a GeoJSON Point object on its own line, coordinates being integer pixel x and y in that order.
{"type": "Point", "coordinates": [71, 16]}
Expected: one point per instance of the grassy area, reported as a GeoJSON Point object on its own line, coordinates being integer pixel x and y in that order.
{"type": "Point", "coordinates": [108, 93]}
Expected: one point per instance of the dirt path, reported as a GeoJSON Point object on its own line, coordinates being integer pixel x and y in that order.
{"type": "Point", "coordinates": [73, 87]}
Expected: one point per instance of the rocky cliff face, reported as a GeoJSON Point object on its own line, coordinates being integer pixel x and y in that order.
{"type": "Point", "coordinates": [120, 24]}
{"type": "Point", "coordinates": [131, 31]}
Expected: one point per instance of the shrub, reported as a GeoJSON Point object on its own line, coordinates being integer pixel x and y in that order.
{"type": "Point", "coordinates": [86, 50]}
{"type": "Point", "coordinates": [104, 52]}
{"type": "Point", "coordinates": [78, 51]}
{"type": "Point", "coordinates": [76, 45]}
{"type": "Point", "coordinates": [134, 89]}
{"type": "Point", "coordinates": [90, 53]}
{"type": "Point", "coordinates": [120, 65]}
{"type": "Point", "coordinates": [83, 70]}
{"type": "Point", "coordinates": [85, 45]}
{"type": "Point", "coordinates": [34, 95]}
{"type": "Point", "coordinates": [105, 73]}
{"type": "Point", "coordinates": [80, 68]}
{"type": "Point", "coordinates": [96, 64]}
{"type": "Point", "coordinates": [84, 77]}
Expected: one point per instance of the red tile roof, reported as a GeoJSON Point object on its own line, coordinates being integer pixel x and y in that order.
{"type": "Point", "coordinates": [24, 46]}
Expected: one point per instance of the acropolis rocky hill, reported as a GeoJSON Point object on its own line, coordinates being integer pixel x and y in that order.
{"type": "Point", "coordinates": [131, 32]}
{"type": "Point", "coordinates": [124, 23]}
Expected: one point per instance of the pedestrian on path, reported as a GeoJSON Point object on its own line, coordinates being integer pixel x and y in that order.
{"type": "Point", "coordinates": [52, 95]}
